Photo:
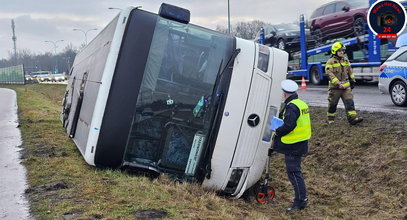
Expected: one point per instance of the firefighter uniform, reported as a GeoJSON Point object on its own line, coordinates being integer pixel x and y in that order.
{"type": "Point", "coordinates": [292, 141]}
{"type": "Point", "coordinates": [341, 83]}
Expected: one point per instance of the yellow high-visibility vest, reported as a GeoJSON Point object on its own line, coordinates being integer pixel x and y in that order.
{"type": "Point", "coordinates": [302, 131]}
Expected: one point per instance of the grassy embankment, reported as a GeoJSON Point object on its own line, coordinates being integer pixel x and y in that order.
{"type": "Point", "coordinates": [357, 172]}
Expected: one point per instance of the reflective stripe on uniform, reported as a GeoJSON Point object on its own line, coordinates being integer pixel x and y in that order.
{"type": "Point", "coordinates": [352, 76]}
{"type": "Point", "coordinates": [334, 80]}
{"type": "Point", "coordinates": [337, 65]}
{"type": "Point", "coordinates": [352, 113]}
{"type": "Point", "coordinates": [330, 114]}
{"type": "Point", "coordinates": [347, 84]}
{"type": "Point", "coordinates": [332, 65]}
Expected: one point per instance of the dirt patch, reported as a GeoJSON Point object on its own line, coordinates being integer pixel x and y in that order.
{"type": "Point", "coordinates": [106, 181]}
{"type": "Point", "coordinates": [42, 151]}
{"type": "Point", "coordinates": [44, 121]}
{"type": "Point", "coordinates": [72, 215]}
{"type": "Point", "coordinates": [97, 216]}
{"type": "Point", "coordinates": [150, 214]}
{"type": "Point", "coordinates": [49, 187]}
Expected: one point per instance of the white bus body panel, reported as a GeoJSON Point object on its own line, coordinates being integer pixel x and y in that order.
{"type": "Point", "coordinates": [278, 71]}
{"type": "Point", "coordinates": [89, 130]}
{"type": "Point", "coordinates": [251, 91]}
{"type": "Point", "coordinates": [235, 105]}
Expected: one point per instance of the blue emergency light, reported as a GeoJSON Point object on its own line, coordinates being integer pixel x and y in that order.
{"type": "Point", "coordinates": [174, 13]}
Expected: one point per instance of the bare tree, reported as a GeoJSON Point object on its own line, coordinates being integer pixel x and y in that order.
{"type": "Point", "coordinates": [245, 30]}
{"type": "Point", "coordinates": [68, 56]}
{"type": "Point", "coordinates": [221, 29]}
{"type": "Point", "coordinates": [248, 30]}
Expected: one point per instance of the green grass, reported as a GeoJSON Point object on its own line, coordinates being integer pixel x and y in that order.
{"type": "Point", "coordinates": [352, 172]}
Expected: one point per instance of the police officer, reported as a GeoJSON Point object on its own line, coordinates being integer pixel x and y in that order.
{"type": "Point", "coordinates": [341, 83]}
{"type": "Point", "coordinates": [292, 140]}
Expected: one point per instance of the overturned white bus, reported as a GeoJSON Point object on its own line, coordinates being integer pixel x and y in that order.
{"type": "Point", "coordinates": [154, 92]}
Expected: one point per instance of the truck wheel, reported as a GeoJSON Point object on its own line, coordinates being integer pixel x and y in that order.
{"type": "Point", "coordinates": [281, 44]}
{"type": "Point", "coordinates": [314, 75]}
{"type": "Point", "coordinates": [398, 93]}
{"type": "Point", "coordinates": [359, 26]}
{"type": "Point", "coordinates": [318, 37]}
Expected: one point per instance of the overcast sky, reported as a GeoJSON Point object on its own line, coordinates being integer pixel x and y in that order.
{"type": "Point", "coordinates": [37, 21]}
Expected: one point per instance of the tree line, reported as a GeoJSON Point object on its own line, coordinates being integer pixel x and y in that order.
{"type": "Point", "coordinates": [32, 62]}
{"type": "Point", "coordinates": [245, 30]}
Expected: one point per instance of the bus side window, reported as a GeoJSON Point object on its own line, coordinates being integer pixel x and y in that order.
{"type": "Point", "coordinates": [263, 61]}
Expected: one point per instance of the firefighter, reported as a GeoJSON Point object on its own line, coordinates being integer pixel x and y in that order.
{"type": "Point", "coordinates": [341, 83]}
{"type": "Point", "coordinates": [292, 140]}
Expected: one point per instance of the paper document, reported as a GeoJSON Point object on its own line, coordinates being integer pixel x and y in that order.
{"type": "Point", "coordinates": [276, 123]}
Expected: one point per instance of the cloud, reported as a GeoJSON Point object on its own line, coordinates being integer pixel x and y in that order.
{"type": "Point", "coordinates": [40, 20]}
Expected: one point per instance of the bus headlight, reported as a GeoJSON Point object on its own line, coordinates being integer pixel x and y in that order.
{"type": "Point", "coordinates": [236, 180]}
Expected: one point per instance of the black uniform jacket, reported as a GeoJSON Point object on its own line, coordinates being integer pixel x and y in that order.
{"type": "Point", "coordinates": [292, 112]}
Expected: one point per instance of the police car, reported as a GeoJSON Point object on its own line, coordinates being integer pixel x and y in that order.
{"type": "Point", "coordinates": [393, 74]}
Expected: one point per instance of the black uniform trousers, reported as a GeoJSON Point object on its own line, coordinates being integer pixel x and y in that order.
{"type": "Point", "coordinates": [293, 167]}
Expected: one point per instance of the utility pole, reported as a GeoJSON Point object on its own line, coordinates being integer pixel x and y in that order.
{"type": "Point", "coordinates": [228, 17]}
{"type": "Point", "coordinates": [14, 41]}
{"type": "Point", "coordinates": [55, 52]}
{"type": "Point", "coordinates": [85, 33]}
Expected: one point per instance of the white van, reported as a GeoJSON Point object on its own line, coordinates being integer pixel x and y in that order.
{"type": "Point", "coordinates": [155, 93]}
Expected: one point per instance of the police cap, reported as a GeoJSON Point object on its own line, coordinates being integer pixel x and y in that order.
{"type": "Point", "coordinates": [289, 86]}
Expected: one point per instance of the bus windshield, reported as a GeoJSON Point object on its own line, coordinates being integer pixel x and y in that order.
{"type": "Point", "coordinates": [173, 110]}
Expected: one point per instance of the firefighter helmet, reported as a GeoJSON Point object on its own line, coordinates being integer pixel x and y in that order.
{"type": "Point", "coordinates": [337, 46]}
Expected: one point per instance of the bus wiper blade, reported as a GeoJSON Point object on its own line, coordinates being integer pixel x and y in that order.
{"type": "Point", "coordinates": [216, 119]}
{"type": "Point", "coordinates": [220, 73]}
{"type": "Point", "coordinates": [231, 60]}
{"type": "Point", "coordinates": [211, 136]}
{"type": "Point", "coordinates": [232, 57]}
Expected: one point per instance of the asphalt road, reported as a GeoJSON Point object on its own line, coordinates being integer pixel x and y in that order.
{"type": "Point", "coordinates": [367, 97]}
{"type": "Point", "coordinates": [13, 204]}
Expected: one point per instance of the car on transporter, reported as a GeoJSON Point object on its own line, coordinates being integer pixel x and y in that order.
{"type": "Point", "coordinates": [339, 19]}
{"type": "Point", "coordinates": [284, 36]}
{"type": "Point", "coordinates": [393, 75]}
